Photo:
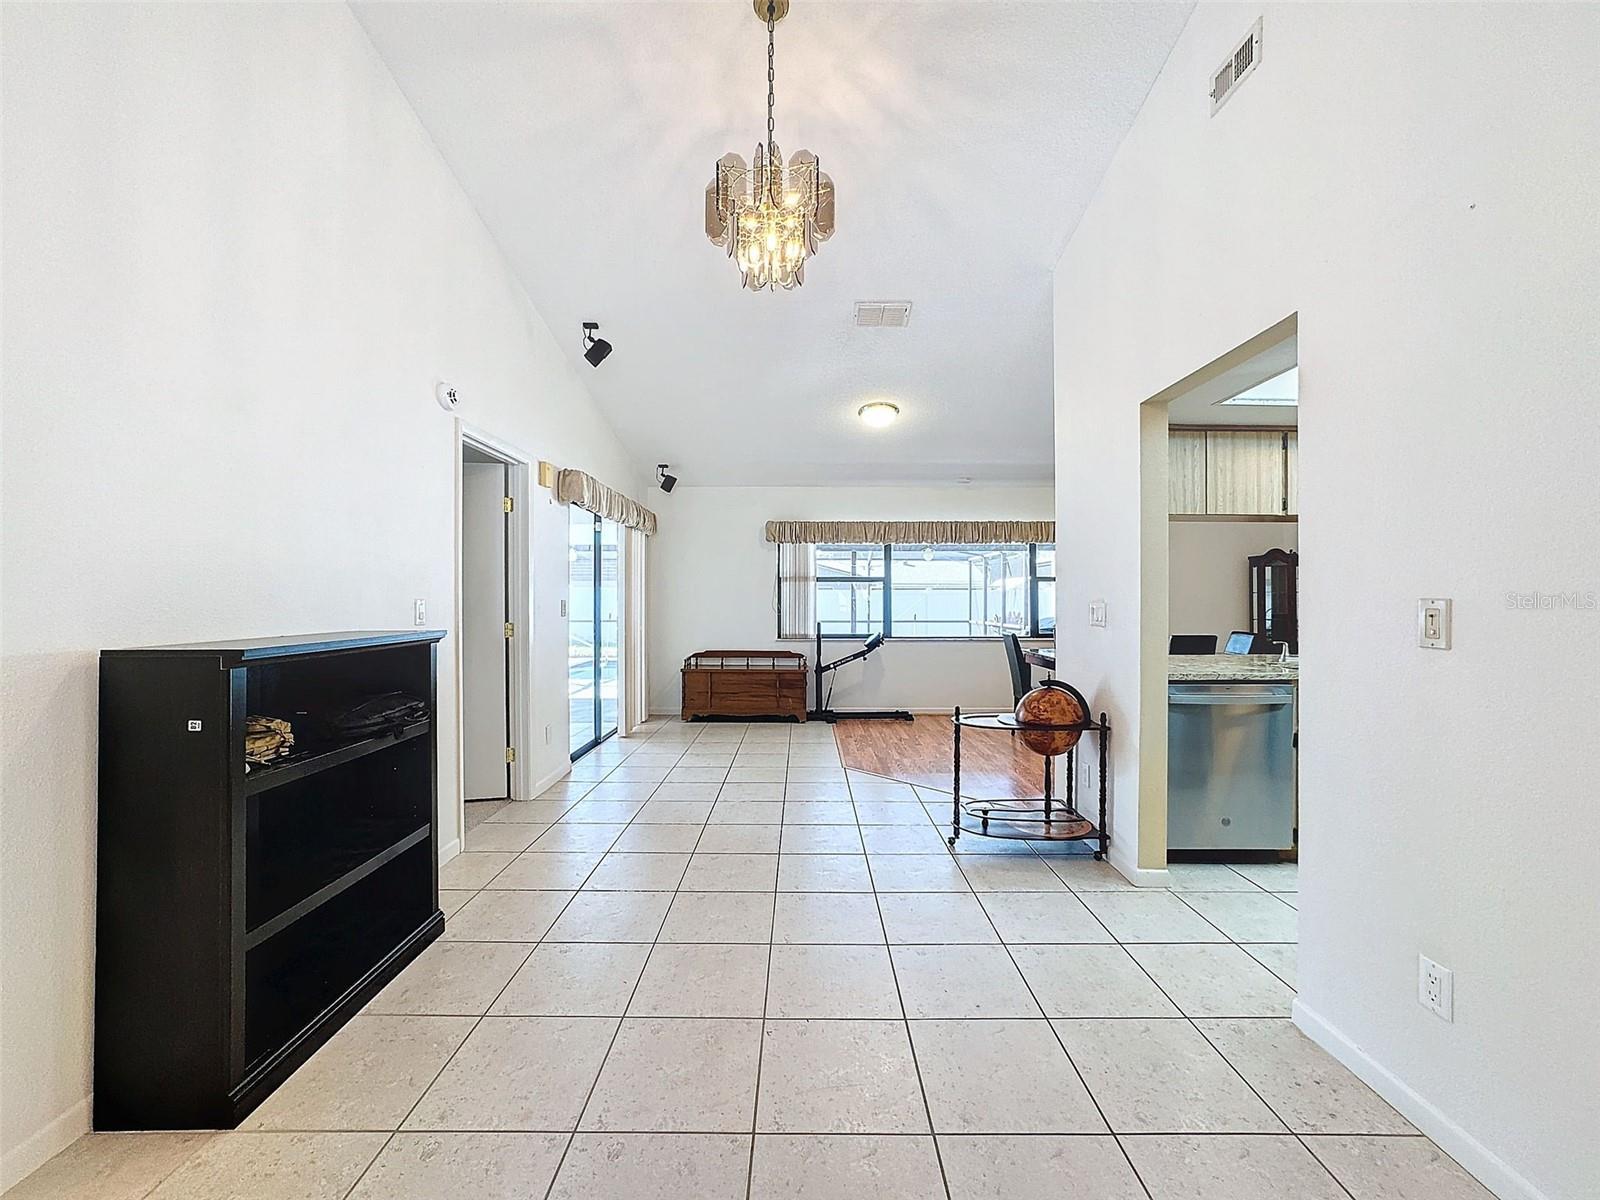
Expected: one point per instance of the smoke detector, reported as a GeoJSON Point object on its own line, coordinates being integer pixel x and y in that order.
{"type": "Point", "coordinates": [1225, 80]}
{"type": "Point", "coordinates": [883, 314]}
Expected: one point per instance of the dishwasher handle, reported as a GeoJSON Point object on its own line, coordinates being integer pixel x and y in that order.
{"type": "Point", "coordinates": [1268, 700]}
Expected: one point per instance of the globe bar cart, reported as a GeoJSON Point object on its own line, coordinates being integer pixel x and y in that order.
{"type": "Point", "coordinates": [1046, 818]}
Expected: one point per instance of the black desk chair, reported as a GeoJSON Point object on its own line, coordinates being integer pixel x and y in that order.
{"type": "Point", "coordinates": [1021, 669]}
{"type": "Point", "coordinates": [1192, 643]}
{"type": "Point", "coordinates": [1242, 642]}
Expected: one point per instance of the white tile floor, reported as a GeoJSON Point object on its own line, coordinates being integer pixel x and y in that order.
{"type": "Point", "coordinates": [714, 965]}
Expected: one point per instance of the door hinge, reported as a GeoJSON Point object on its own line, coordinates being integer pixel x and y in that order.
{"type": "Point", "coordinates": [511, 754]}
{"type": "Point", "coordinates": [511, 630]}
{"type": "Point", "coordinates": [506, 503]}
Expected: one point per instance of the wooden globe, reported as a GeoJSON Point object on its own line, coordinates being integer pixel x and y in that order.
{"type": "Point", "coordinates": [1053, 703]}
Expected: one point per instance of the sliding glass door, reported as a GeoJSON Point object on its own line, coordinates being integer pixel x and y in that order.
{"type": "Point", "coordinates": [592, 628]}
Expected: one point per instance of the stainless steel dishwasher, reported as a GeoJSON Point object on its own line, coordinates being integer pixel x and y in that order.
{"type": "Point", "coordinates": [1230, 766]}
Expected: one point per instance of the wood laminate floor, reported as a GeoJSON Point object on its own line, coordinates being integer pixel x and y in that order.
{"type": "Point", "coordinates": [993, 765]}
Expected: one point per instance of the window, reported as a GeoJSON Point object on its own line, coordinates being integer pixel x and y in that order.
{"type": "Point", "coordinates": [850, 590]}
{"type": "Point", "coordinates": [1043, 574]}
{"type": "Point", "coordinates": [917, 591]}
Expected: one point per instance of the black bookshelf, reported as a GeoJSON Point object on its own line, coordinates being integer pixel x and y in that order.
{"type": "Point", "coordinates": [244, 914]}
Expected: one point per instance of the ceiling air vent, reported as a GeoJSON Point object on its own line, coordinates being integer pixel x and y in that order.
{"type": "Point", "coordinates": [1226, 80]}
{"type": "Point", "coordinates": [883, 314]}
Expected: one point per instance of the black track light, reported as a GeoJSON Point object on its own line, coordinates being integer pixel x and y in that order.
{"type": "Point", "coordinates": [664, 481]}
{"type": "Point", "coordinates": [595, 349]}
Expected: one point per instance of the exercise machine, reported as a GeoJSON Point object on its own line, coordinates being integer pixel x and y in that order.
{"type": "Point", "coordinates": [824, 713]}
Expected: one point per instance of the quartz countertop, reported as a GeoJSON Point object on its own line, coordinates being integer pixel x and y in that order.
{"type": "Point", "coordinates": [1231, 668]}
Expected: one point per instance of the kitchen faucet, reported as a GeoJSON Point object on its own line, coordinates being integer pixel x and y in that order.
{"type": "Point", "coordinates": [1283, 655]}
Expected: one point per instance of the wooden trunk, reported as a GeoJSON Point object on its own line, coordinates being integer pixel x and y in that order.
{"type": "Point", "coordinates": [744, 683]}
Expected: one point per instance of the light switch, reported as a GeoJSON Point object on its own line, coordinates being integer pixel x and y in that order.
{"type": "Point", "coordinates": [1097, 614]}
{"type": "Point", "coordinates": [419, 612]}
{"type": "Point", "coordinates": [1433, 624]}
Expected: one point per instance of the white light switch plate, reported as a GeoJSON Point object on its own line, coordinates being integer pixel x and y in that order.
{"type": "Point", "coordinates": [1433, 623]}
{"type": "Point", "coordinates": [419, 612]}
{"type": "Point", "coordinates": [1097, 614]}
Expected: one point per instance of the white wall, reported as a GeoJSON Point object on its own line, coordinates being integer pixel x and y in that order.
{"type": "Point", "coordinates": [1430, 214]}
{"type": "Point", "coordinates": [1208, 579]}
{"type": "Point", "coordinates": [713, 579]}
{"type": "Point", "coordinates": [234, 266]}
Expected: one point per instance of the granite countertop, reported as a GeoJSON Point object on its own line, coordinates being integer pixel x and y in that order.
{"type": "Point", "coordinates": [1231, 668]}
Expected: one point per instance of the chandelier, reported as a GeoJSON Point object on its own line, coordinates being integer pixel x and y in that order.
{"type": "Point", "coordinates": [770, 216]}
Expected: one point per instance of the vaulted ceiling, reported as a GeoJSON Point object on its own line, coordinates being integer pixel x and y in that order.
{"type": "Point", "coordinates": [964, 139]}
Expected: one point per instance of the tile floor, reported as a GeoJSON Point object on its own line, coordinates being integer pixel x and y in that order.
{"type": "Point", "coordinates": [714, 965]}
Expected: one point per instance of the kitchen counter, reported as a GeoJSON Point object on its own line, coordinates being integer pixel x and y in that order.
{"type": "Point", "coordinates": [1231, 668]}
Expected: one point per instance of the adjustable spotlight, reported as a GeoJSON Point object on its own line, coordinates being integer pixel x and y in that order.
{"type": "Point", "coordinates": [664, 481]}
{"type": "Point", "coordinates": [595, 349]}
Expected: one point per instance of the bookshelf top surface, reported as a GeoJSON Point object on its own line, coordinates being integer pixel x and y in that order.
{"type": "Point", "coordinates": [240, 650]}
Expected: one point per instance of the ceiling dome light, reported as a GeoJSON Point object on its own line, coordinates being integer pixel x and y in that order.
{"type": "Point", "coordinates": [767, 215]}
{"type": "Point", "coordinates": [878, 413]}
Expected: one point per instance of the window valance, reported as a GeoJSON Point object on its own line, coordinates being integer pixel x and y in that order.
{"type": "Point", "coordinates": [939, 533]}
{"type": "Point", "coordinates": [588, 493]}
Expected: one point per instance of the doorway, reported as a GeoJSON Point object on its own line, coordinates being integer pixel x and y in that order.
{"type": "Point", "coordinates": [493, 607]}
{"type": "Point", "coordinates": [1219, 757]}
{"type": "Point", "coordinates": [593, 628]}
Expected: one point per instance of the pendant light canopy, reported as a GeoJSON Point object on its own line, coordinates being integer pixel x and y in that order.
{"type": "Point", "coordinates": [769, 216]}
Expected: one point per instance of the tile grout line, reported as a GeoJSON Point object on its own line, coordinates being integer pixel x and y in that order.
{"type": "Point", "coordinates": [577, 1124]}
{"type": "Point", "coordinates": [1031, 852]}
{"type": "Point", "coordinates": [477, 1024]}
{"type": "Point", "coordinates": [766, 997]}
{"type": "Point", "coordinates": [540, 941]}
{"type": "Point", "coordinates": [905, 1020]}
{"type": "Point", "coordinates": [1215, 1049]}
{"type": "Point", "coordinates": [1056, 1034]}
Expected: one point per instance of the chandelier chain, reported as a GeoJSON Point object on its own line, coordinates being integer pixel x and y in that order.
{"type": "Point", "coordinates": [772, 77]}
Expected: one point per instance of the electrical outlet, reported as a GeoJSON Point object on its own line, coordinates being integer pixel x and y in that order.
{"type": "Point", "coordinates": [419, 611]}
{"type": "Point", "coordinates": [1436, 987]}
{"type": "Point", "coordinates": [1433, 624]}
{"type": "Point", "coordinates": [1097, 614]}
{"type": "Point", "coordinates": [563, 608]}
{"type": "Point", "coordinates": [1085, 774]}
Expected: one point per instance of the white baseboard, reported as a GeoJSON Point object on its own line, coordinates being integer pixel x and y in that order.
{"type": "Point", "coordinates": [550, 780]}
{"type": "Point", "coordinates": [1479, 1161]}
{"type": "Point", "coordinates": [1145, 877]}
{"type": "Point", "coordinates": [449, 850]}
{"type": "Point", "coordinates": [24, 1159]}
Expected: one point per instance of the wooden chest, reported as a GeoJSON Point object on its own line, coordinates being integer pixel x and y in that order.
{"type": "Point", "coordinates": [744, 683]}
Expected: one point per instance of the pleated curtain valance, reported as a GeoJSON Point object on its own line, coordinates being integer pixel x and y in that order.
{"type": "Point", "coordinates": [588, 493]}
{"type": "Point", "coordinates": [918, 533]}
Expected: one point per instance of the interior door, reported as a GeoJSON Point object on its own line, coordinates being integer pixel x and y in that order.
{"type": "Point", "coordinates": [484, 695]}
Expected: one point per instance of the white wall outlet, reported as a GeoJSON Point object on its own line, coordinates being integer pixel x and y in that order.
{"type": "Point", "coordinates": [563, 608]}
{"type": "Point", "coordinates": [419, 612]}
{"type": "Point", "coordinates": [1097, 614]}
{"type": "Point", "coordinates": [1085, 774]}
{"type": "Point", "coordinates": [1433, 624]}
{"type": "Point", "coordinates": [1436, 987]}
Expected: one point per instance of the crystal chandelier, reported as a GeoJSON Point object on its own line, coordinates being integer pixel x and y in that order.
{"type": "Point", "coordinates": [769, 216]}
